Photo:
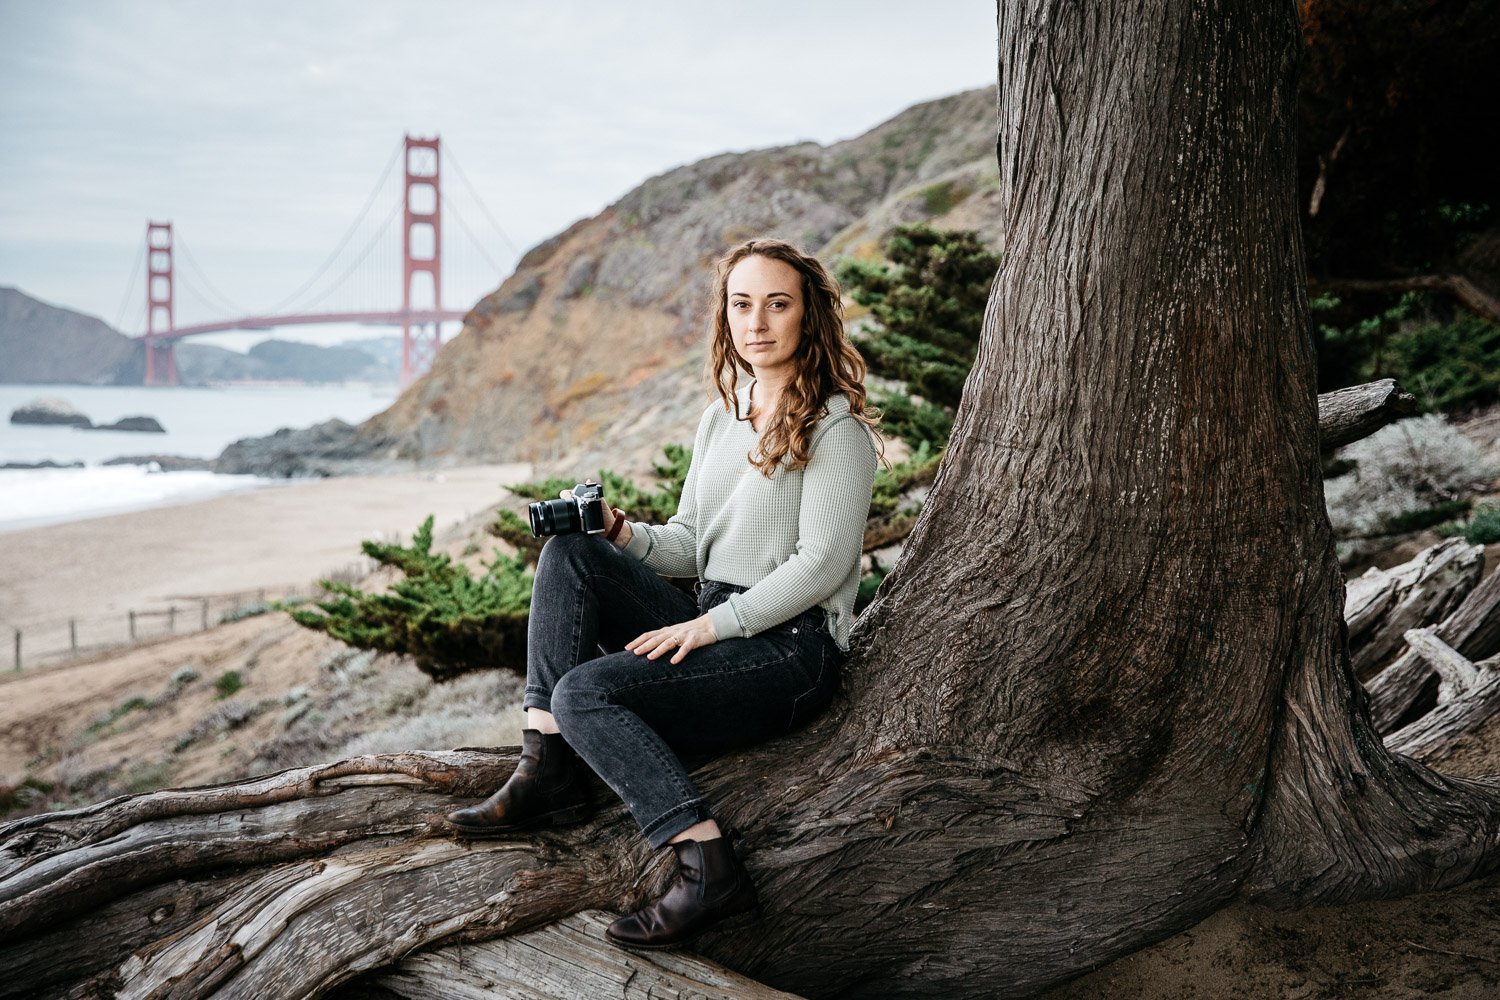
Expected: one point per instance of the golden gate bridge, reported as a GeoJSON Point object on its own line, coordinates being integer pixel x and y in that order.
{"type": "Point", "coordinates": [421, 312]}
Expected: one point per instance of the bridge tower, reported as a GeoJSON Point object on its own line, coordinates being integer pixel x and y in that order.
{"type": "Point", "coordinates": [161, 359]}
{"type": "Point", "coordinates": [422, 253]}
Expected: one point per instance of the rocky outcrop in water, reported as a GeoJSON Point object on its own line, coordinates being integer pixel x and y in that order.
{"type": "Point", "coordinates": [48, 464]}
{"type": "Point", "coordinates": [50, 410]}
{"type": "Point", "coordinates": [165, 463]}
{"type": "Point", "coordinates": [148, 425]}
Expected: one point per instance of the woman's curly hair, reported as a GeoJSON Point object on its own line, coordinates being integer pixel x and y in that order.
{"type": "Point", "coordinates": [828, 363]}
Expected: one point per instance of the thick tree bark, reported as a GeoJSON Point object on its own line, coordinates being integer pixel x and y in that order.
{"type": "Point", "coordinates": [1105, 690]}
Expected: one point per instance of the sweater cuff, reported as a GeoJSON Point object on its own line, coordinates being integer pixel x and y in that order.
{"type": "Point", "coordinates": [724, 620]}
{"type": "Point", "coordinates": [640, 540]}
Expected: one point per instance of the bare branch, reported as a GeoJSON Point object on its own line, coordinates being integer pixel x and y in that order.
{"type": "Point", "coordinates": [1346, 415]}
{"type": "Point", "coordinates": [1473, 298]}
{"type": "Point", "coordinates": [1459, 676]}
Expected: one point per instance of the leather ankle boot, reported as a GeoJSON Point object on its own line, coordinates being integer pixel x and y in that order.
{"type": "Point", "coordinates": [711, 886]}
{"type": "Point", "coordinates": [546, 788]}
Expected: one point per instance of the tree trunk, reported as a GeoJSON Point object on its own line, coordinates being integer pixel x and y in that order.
{"type": "Point", "coordinates": [1105, 690]}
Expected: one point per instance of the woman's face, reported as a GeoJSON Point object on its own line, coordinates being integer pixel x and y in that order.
{"type": "Point", "coordinates": [765, 314]}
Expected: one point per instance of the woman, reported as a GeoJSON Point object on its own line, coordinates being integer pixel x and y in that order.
{"type": "Point", "coordinates": [771, 521]}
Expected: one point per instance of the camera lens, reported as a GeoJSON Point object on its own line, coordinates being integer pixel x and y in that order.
{"type": "Point", "coordinates": [553, 517]}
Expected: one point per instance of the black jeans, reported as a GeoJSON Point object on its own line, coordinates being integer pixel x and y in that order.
{"type": "Point", "coordinates": [624, 713]}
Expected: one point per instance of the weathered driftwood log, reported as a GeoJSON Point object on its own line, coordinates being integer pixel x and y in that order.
{"type": "Point", "coordinates": [1468, 696]}
{"type": "Point", "coordinates": [1346, 415]}
{"type": "Point", "coordinates": [1407, 689]}
{"type": "Point", "coordinates": [564, 960]}
{"type": "Point", "coordinates": [1383, 604]}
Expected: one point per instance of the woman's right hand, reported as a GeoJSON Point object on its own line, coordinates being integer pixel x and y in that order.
{"type": "Point", "coordinates": [609, 520]}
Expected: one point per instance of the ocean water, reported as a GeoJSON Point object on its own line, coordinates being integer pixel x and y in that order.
{"type": "Point", "coordinates": [199, 422]}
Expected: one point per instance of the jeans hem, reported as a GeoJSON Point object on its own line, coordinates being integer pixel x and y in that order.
{"type": "Point", "coordinates": [668, 825]}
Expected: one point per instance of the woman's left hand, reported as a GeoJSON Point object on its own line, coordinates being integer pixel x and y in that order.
{"type": "Point", "coordinates": [683, 637]}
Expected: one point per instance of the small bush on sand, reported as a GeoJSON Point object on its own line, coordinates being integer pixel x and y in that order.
{"type": "Point", "coordinates": [1411, 474]}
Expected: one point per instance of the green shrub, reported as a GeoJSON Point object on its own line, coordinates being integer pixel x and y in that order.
{"type": "Point", "coordinates": [1448, 366]}
{"type": "Point", "coordinates": [868, 584]}
{"type": "Point", "coordinates": [115, 714]}
{"type": "Point", "coordinates": [938, 198]}
{"type": "Point", "coordinates": [227, 684]}
{"type": "Point", "coordinates": [1410, 475]}
{"type": "Point", "coordinates": [1481, 528]}
{"type": "Point", "coordinates": [446, 619]}
{"type": "Point", "coordinates": [1449, 360]}
{"type": "Point", "coordinates": [927, 313]}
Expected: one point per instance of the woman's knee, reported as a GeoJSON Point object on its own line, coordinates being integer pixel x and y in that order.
{"type": "Point", "coordinates": [574, 553]}
{"type": "Point", "coordinates": [574, 695]}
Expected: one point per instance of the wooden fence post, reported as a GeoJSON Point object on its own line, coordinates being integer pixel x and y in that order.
{"type": "Point", "coordinates": [73, 634]}
{"type": "Point", "coordinates": [171, 618]}
{"type": "Point", "coordinates": [132, 626]}
{"type": "Point", "coordinates": [205, 614]}
{"type": "Point", "coordinates": [18, 649]}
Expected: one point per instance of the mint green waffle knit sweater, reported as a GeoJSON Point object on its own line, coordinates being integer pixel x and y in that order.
{"type": "Point", "coordinates": [793, 539]}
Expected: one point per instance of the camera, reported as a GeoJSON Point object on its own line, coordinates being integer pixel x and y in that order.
{"type": "Point", "coordinates": [584, 512]}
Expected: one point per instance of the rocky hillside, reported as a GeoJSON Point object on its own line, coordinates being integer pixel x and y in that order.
{"type": "Point", "coordinates": [46, 343]}
{"type": "Point", "coordinates": [592, 352]}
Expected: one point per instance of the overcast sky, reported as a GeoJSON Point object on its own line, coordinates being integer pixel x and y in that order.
{"type": "Point", "coordinates": [260, 128]}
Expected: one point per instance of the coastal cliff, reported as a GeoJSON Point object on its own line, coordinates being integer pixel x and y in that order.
{"type": "Point", "coordinates": [591, 353]}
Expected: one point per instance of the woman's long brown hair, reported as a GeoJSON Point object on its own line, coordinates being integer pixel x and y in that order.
{"type": "Point", "coordinates": [828, 364]}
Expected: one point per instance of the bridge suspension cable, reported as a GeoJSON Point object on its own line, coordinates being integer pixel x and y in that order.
{"type": "Point", "coordinates": [369, 246]}
{"type": "Point", "coordinates": [225, 302]}
{"type": "Point", "coordinates": [131, 289]}
{"type": "Point", "coordinates": [343, 240]}
{"type": "Point", "coordinates": [456, 216]}
{"type": "Point", "coordinates": [448, 152]}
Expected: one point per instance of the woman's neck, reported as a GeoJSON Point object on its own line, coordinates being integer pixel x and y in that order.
{"type": "Point", "coordinates": [766, 390]}
{"type": "Point", "coordinates": [763, 399]}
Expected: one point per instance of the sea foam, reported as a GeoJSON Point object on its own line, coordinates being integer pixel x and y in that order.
{"type": "Point", "coordinates": [30, 498]}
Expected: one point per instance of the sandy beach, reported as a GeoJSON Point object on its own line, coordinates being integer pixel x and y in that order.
{"type": "Point", "coordinates": [275, 538]}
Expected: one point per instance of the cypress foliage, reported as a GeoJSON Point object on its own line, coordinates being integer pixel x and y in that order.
{"type": "Point", "coordinates": [447, 620]}
{"type": "Point", "coordinates": [927, 307]}
{"type": "Point", "coordinates": [451, 621]}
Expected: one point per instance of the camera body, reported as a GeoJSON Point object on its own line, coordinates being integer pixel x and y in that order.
{"type": "Point", "coordinates": [584, 512]}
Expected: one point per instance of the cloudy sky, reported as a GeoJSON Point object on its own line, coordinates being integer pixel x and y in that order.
{"type": "Point", "coordinates": [260, 129]}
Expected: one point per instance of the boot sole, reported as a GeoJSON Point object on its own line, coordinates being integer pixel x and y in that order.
{"type": "Point", "coordinates": [559, 817]}
{"type": "Point", "coordinates": [742, 919]}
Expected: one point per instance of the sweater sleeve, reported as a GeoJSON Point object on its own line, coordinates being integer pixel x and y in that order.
{"type": "Point", "coordinates": [671, 549]}
{"type": "Point", "coordinates": [836, 488]}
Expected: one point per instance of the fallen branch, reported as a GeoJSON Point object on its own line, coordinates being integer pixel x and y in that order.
{"type": "Point", "coordinates": [566, 959]}
{"type": "Point", "coordinates": [1400, 693]}
{"type": "Point", "coordinates": [1383, 605]}
{"type": "Point", "coordinates": [1347, 415]}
